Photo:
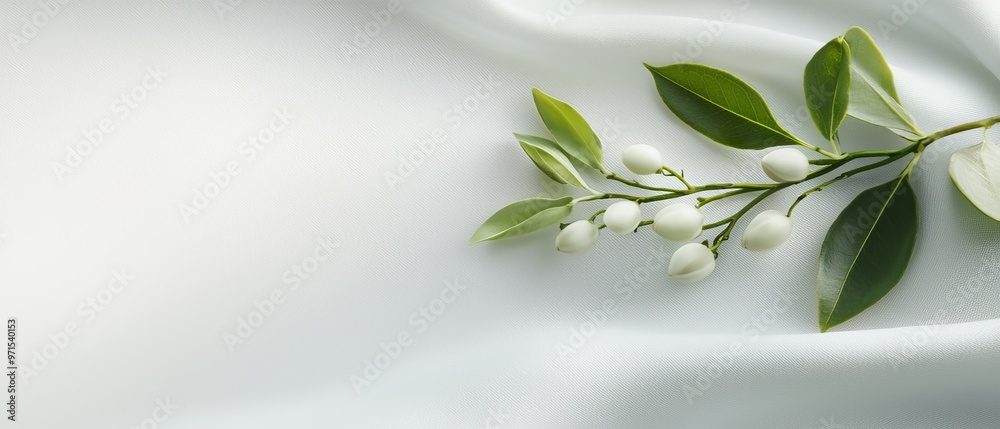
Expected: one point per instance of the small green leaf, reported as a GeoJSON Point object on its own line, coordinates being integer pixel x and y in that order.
{"type": "Point", "coordinates": [570, 130]}
{"type": "Point", "coordinates": [866, 251]}
{"type": "Point", "coordinates": [720, 106]}
{"type": "Point", "coordinates": [873, 91]}
{"type": "Point", "coordinates": [523, 217]}
{"type": "Point", "coordinates": [827, 84]}
{"type": "Point", "coordinates": [550, 159]}
{"type": "Point", "coordinates": [976, 172]}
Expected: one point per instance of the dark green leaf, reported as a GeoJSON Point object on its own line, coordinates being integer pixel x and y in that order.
{"type": "Point", "coordinates": [523, 217]}
{"type": "Point", "coordinates": [570, 130]}
{"type": "Point", "coordinates": [873, 90]}
{"type": "Point", "coordinates": [720, 106]}
{"type": "Point", "coordinates": [866, 251]}
{"type": "Point", "coordinates": [550, 159]}
{"type": "Point", "coordinates": [827, 85]}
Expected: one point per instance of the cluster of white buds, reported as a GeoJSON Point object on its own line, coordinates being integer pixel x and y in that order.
{"type": "Point", "coordinates": [684, 222]}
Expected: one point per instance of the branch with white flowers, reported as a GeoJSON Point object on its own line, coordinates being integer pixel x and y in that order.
{"type": "Point", "coordinates": [856, 270]}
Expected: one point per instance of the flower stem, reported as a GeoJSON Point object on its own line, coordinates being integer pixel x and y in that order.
{"type": "Point", "coordinates": [702, 202]}
{"type": "Point", "coordinates": [985, 123]}
{"type": "Point", "coordinates": [635, 184]}
{"type": "Point", "coordinates": [670, 172]}
{"type": "Point", "coordinates": [732, 220]}
{"type": "Point", "coordinates": [819, 151]}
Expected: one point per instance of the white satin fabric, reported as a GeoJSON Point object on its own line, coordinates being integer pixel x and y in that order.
{"type": "Point", "coordinates": [399, 148]}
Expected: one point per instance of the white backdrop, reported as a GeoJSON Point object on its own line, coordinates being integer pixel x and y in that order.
{"type": "Point", "coordinates": [325, 281]}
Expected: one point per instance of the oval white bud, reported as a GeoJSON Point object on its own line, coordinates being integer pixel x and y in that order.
{"type": "Point", "coordinates": [642, 159]}
{"type": "Point", "coordinates": [692, 262]}
{"type": "Point", "coordinates": [623, 217]}
{"type": "Point", "coordinates": [577, 237]}
{"type": "Point", "coordinates": [786, 165]}
{"type": "Point", "coordinates": [767, 231]}
{"type": "Point", "coordinates": [678, 222]}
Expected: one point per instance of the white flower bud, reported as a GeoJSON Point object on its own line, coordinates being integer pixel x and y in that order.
{"type": "Point", "coordinates": [786, 165]}
{"type": "Point", "coordinates": [767, 231]}
{"type": "Point", "coordinates": [622, 217]}
{"type": "Point", "coordinates": [577, 237]}
{"type": "Point", "coordinates": [642, 159]}
{"type": "Point", "coordinates": [692, 262]}
{"type": "Point", "coordinates": [678, 222]}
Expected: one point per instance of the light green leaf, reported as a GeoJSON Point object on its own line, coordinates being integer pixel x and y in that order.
{"type": "Point", "coordinates": [976, 172]}
{"type": "Point", "coordinates": [866, 251]}
{"type": "Point", "coordinates": [720, 106]}
{"type": "Point", "coordinates": [873, 91]}
{"type": "Point", "coordinates": [827, 84]}
{"type": "Point", "coordinates": [523, 217]}
{"type": "Point", "coordinates": [870, 62]}
{"type": "Point", "coordinates": [570, 130]}
{"type": "Point", "coordinates": [550, 159]}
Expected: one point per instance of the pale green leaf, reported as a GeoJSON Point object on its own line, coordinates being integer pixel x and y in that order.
{"type": "Point", "coordinates": [550, 159]}
{"type": "Point", "coordinates": [976, 172]}
{"type": "Point", "coordinates": [570, 130]}
{"type": "Point", "coordinates": [523, 217]}
{"type": "Point", "coordinates": [873, 91]}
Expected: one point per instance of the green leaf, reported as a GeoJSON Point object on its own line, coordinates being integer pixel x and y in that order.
{"type": "Point", "coordinates": [869, 61]}
{"type": "Point", "coordinates": [720, 106]}
{"type": "Point", "coordinates": [976, 172]}
{"type": "Point", "coordinates": [523, 217]}
{"type": "Point", "coordinates": [873, 91]}
{"type": "Point", "coordinates": [827, 84]}
{"type": "Point", "coordinates": [550, 159]}
{"type": "Point", "coordinates": [570, 130]}
{"type": "Point", "coordinates": [866, 251]}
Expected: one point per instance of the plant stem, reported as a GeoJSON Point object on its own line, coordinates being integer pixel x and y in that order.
{"type": "Point", "coordinates": [680, 176]}
{"type": "Point", "coordinates": [641, 224]}
{"type": "Point", "coordinates": [845, 175]}
{"type": "Point", "coordinates": [702, 202]}
{"type": "Point", "coordinates": [635, 184]}
{"type": "Point", "coordinates": [835, 143]}
{"type": "Point", "coordinates": [985, 123]}
{"type": "Point", "coordinates": [732, 220]}
{"type": "Point", "coordinates": [818, 150]}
